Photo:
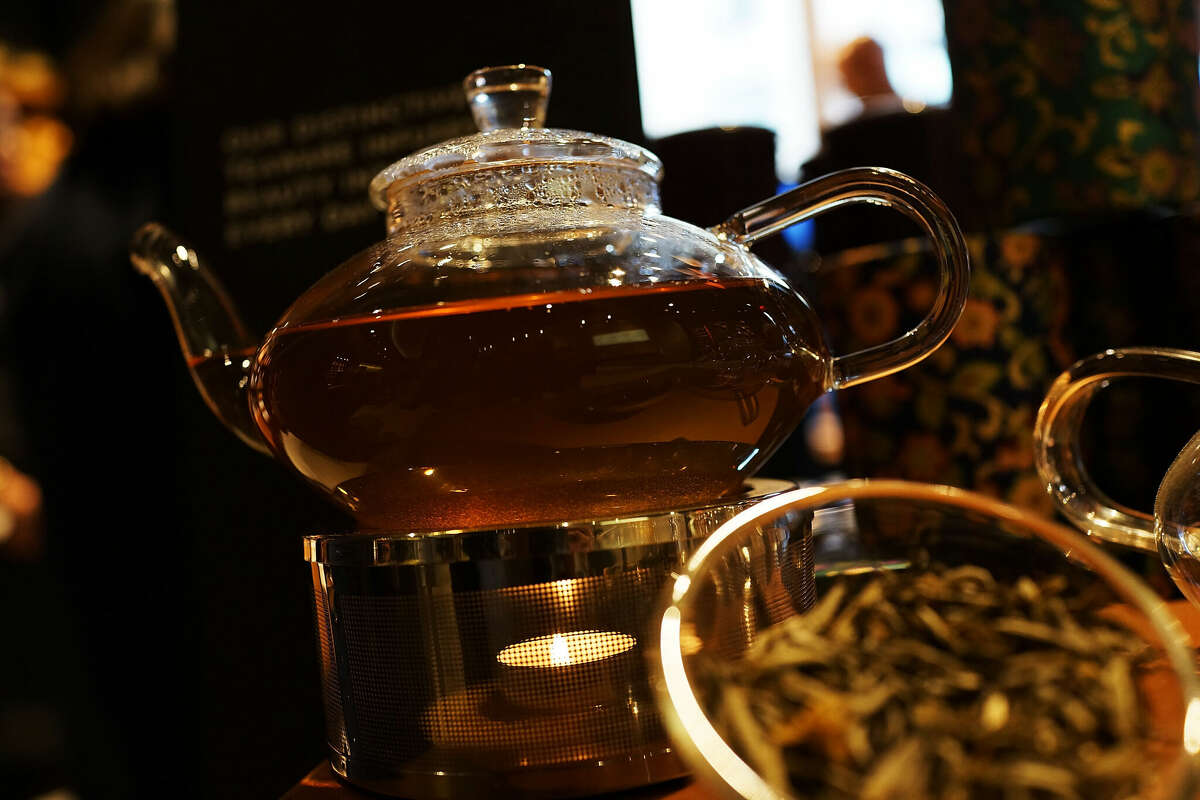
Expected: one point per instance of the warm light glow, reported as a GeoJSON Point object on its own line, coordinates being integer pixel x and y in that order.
{"type": "Point", "coordinates": [560, 656]}
{"type": "Point", "coordinates": [429, 471]}
{"type": "Point", "coordinates": [694, 721]}
{"type": "Point", "coordinates": [565, 589]}
{"type": "Point", "coordinates": [1191, 727]}
{"type": "Point", "coordinates": [566, 649]}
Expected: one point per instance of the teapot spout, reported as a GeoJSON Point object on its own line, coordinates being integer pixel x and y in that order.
{"type": "Point", "coordinates": [218, 349]}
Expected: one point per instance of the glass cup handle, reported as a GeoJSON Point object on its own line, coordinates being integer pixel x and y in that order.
{"type": "Point", "coordinates": [881, 187]}
{"type": "Point", "coordinates": [1056, 441]}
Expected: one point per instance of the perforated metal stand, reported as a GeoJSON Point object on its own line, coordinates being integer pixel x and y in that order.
{"type": "Point", "coordinates": [506, 662]}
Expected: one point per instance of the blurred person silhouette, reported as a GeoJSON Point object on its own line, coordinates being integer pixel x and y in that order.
{"type": "Point", "coordinates": [33, 144]}
{"type": "Point", "coordinates": [863, 72]}
{"type": "Point", "coordinates": [79, 169]}
{"type": "Point", "coordinates": [178, 660]}
{"type": "Point", "coordinates": [34, 620]}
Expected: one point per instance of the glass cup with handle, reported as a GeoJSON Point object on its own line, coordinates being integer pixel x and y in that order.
{"type": "Point", "coordinates": [1174, 526]}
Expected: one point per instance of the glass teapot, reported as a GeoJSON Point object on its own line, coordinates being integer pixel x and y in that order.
{"type": "Point", "coordinates": [534, 340]}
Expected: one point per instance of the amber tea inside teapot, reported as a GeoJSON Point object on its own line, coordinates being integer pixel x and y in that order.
{"type": "Point", "coordinates": [534, 340]}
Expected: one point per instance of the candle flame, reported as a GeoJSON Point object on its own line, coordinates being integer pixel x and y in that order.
{"type": "Point", "coordinates": [559, 654]}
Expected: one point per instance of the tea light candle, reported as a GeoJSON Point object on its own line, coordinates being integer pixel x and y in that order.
{"type": "Point", "coordinates": [563, 671]}
{"type": "Point", "coordinates": [564, 650]}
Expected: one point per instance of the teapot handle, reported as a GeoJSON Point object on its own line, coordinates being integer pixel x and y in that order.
{"type": "Point", "coordinates": [883, 187]}
{"type": "Point", "coordinates": [1060, 463]}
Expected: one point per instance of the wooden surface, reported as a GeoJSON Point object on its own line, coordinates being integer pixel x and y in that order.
{"type": "Point", "coordinates": [323, 784]}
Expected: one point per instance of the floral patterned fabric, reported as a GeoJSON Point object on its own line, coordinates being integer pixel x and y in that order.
{"type": "Point", "coordinates": [965, 415]}
{"type": "Point", "coordinates": [1075, 106]}
{"type": "Point", "coordinates": [1040, 298]}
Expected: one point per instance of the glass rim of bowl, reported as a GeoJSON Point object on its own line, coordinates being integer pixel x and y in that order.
{"type": "Point", "coordinates": [706, 752]}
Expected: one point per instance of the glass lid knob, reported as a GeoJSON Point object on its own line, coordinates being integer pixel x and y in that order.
{"type": "Point", "coordinates": [515, 96]}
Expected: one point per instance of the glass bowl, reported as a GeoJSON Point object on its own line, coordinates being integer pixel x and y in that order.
{"type": "Point", "coordinates": [941, 644]}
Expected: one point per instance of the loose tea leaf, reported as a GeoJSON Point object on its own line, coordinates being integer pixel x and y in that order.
{"type": "Point", "coordinates": [946, 684]}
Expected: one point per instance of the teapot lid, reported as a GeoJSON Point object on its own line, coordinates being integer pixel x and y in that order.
{"type": "Point", "coordinates": [509, 107]}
